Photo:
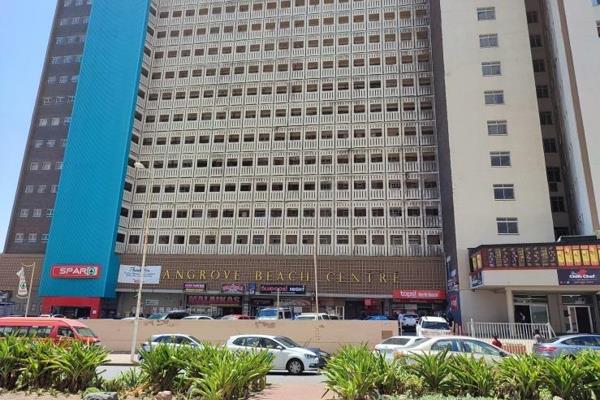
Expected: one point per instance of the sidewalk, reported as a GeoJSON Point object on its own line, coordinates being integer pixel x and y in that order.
{"type": "Point", "coordinates": [119, 359]}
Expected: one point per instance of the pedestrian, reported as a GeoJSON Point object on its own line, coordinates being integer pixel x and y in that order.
{"type": "Point", "coordinates": [522, 318]}
{"type": "Point", "coordinates": [496, 342]}
{"type": "Point", "coordinates": [450, 319]}
{"type": "Point", "coordinates": [537, 336]}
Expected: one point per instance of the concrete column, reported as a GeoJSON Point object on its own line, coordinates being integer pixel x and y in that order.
{"type": "Point", "coordinates": [510, 306]}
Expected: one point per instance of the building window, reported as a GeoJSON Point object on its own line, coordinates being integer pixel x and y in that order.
{"type": "Point", "coordinates": [37, 213]}
{"type": "Point", "coordinates": [507, 226]}
{"type": "Point", "coordinates": [489, 40]}
{"type": "Point", "coordinates": [550, 146]}
{"type": "Point", "coordinates": [504, 192]}
{"type": "Point", "coordinates": [535, 40]}
{"type": "Point", "coordinates": [494, 97]}
{"type": "Point", "coordinates": [24, 213]}
{"type": "Point", "coordinates": [19, 237]}
{"type": "Point", "coordinates": [491, 68]}
{"type": "Point", "coordinates": [539, 65]}
{"type": "Point", "coordinates": [32, 237]}
{"type": "Point", "coordinates": [553, 174]}
{"type": "Point", "coordinates": [546, 117]}
{"type": "Point", "coordinates": [29, 189]}
{"type": "Point", "coordinates": [486, 13]}
{"type": "Point", "coordinates": [500, 158]}
{"type": "Point", "coordinates": [532, 17]}
{"type": "Point", "coordinates": [542, 91]}
{"type": "Point", "coordinates": [557, 204]}
{"type": "Point", "coordinates": [44, 237]}
{"type": "Point", "coordinates": [497, 128]}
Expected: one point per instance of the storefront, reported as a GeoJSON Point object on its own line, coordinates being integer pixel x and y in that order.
{"type": "Point", "coordinates": [420, 302]}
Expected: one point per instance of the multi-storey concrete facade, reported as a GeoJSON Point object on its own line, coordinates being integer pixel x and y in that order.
{"type": "Point", "coordinates": [373, 139]}
{"type": "Point", "coordinates": [40, 172]}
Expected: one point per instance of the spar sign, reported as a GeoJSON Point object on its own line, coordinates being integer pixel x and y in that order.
{"type": "Point", "coordinates": [76, 271]}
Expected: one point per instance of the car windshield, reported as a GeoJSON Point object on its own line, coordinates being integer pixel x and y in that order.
{"type": "Point", "coordinates": [435, 325]}
{"type": "Point", "coordinates": [85, 332]}
{"type": "Point", "coordinates": [410, 316]}
{"type": "Point", "coordinates": [286, 341]}
{"type": "Point", "coordinates": [156, 316]}
{"type": "Point", "coordinates": [268, 313]}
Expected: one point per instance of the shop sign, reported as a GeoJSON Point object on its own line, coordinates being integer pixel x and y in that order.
{"type": "Point", "coordinates": [131, 274]}
{"type": "Point", "coordinates": [223, 301]}
{"type": "Point", "coordinates": [232, 288]}
{"type": "Point", "coordinates": [75, 271]}
{"type": "Point", "coordinates": [578, 255]}
{"type": "Point", "coordinates": [419, 294]}
{"type": "Point", "coordinates": [284, 289]}
{"type": "Point", "coordinates": [581, 276]}
{"type": "Point", "coordinates": [194, 287]}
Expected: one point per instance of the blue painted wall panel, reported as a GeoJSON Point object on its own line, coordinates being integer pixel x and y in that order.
{"type": "Point", "coordinates": [88, 203]}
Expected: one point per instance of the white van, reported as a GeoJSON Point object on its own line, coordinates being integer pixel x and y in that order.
{"type": "Point", "coordinates": [311, 316]}
{"type": "Point", "coordinates": [273, 313]}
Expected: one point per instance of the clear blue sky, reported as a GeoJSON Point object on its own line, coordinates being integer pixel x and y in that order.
{"type": "Point", "coordinates": [24, 31]}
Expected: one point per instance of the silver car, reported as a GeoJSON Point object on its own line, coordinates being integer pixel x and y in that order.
{"type": "Point", "coordinates": [455, 345]}
{"type": "Point", "coordinates": [566, 345]}
{"type": "Point", "coordinates": [171, 339]}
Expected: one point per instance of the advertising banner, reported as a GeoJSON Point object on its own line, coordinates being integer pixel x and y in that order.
{"type": "Point", "coordinates": [283, 289]}
{"type": "Point", "coordinates": [131, 274]}
{"type": "Point", "coordinates": [232, 288]}
{"type": "Point", "coordinates": [419, 294]}
{"type": "Point", "coordinates": [578, 276]}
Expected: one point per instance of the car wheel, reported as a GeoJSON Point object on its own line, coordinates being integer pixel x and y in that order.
{"type": "Point", "coordinates": [295, 366]}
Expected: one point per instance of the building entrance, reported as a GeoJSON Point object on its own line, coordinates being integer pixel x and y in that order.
{"type": "Point", "coordinates": [580, 319]}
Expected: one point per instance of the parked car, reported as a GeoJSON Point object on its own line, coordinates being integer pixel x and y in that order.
{"type": "Point", "coordinates": [432, 326]}
{"type": "Point", "coordinates": [566, 345]}
{"type": "Point", "coordinates": [131, 318]}
{"type": "Point", "coordinates": [52, 316]}
{"type": "Point", "coordinates": [394, 343]}
{"type": "Point", "coordinates": [57, 329]}
{"type": "Point", "coordinates": [175, 314]}
{"type": "Point", "coordinates": [409, 321]}
{"type": "Point", "coordinates": [312, 316]}
{"type": "Point", "coordinates": [287, 354]}
{"type": "Point", "coordinates": [197, 317]}
{"type": "Point", "coordinates": [235, 316]}
{"type": "Point", "coordinates": [273, 313]}
{"type": "Point", "coordinates": [171, 339]}
{"type": "Point", "coordinates": [454, 345]}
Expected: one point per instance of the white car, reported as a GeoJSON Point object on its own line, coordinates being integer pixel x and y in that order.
{"type": "Point", "coordinates": [409, 320]}
{"type": "Point", "coordinates": [171, 339]}
{"type": "Point", "coordinates": [394, 343]}
{"type": "Point", "coordinates": [287, 354]}
{"type": "Point", "coordinates": [311, 316]}
{"type": "Point", "coordinates": [454, 345]}
{"type": "Point", "coordinates": [432, 326]}
{"type": "Point", "coordinates": [197, 317]}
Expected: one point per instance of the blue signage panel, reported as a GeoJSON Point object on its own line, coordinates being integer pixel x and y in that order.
{"type": "Point", "coordinates": [86, 214]}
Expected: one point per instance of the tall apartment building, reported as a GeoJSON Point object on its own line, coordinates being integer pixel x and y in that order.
{"type": "Point", "coordinates": [411, 150]}
{"type": "Point", "coordinates": [42, 164]}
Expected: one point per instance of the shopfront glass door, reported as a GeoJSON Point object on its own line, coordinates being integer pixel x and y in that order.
{"type": "Point", "coordinates": [580, 319]}
{"type": "Point", "coordinates": [539, 313]}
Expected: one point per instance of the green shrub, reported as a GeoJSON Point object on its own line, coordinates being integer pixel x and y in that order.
{"type": "Point", "coordinates": [74, 365]}
{"type": "Point", "coordinates": [13, 352]}
{"type": "Point", "coordinates": [471, 376]}
{"type": "Point", "coordinates": [589, 362]}
{"type": "Point", "coordinates": [433, 369]}
{"type": "Point", "coordinates": [521, 377]}
{"type": "Point", "coordinates": [162, 366]}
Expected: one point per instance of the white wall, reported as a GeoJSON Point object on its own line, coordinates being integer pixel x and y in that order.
{"type": "Point", "coordinates": [472, 176]}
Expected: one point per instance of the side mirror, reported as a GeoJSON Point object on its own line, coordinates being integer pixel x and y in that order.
{"type": "Point", "coordinates": [279, 347]}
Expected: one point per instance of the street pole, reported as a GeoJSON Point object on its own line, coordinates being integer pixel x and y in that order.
{"type": "Point", "coordinates": [30, 289]}
{"type": "Point", "coordinates": [316, 277]}
{"type": "Point", "coordinates": [136, 321]}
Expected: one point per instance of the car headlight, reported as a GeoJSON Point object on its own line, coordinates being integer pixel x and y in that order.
{"type": "Point", "coordinates": [309, 356]}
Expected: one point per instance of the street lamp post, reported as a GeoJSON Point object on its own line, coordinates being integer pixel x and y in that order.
{"type": "Point", "coordinates": [138, 165]}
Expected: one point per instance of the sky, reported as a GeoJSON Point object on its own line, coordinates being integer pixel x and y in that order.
{"type": "Point", "coordinates": [24, 31]}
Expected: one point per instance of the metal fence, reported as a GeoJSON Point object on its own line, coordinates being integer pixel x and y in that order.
{"type": "Point", "coordinates": [506, 330]}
